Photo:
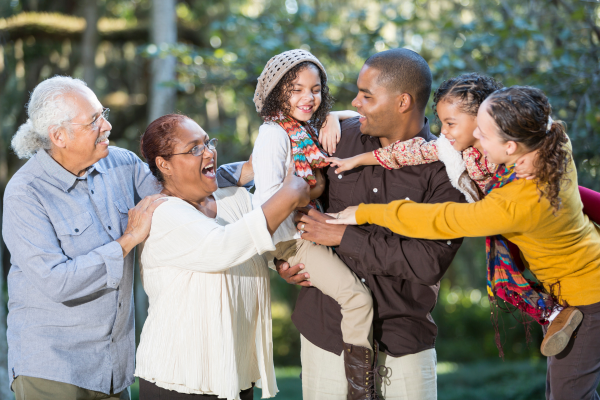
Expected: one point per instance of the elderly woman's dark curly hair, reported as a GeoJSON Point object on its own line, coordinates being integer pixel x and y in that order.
{"type": "Point", "coordinates": [278, 100]}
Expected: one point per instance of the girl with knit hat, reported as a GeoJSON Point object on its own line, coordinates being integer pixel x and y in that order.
{"type": "Point", "coordinates": [293, 99]}
{"type": "Point", "coordinates": [542, 216]}
{"type": "Point", "coordinates": [456, 103]}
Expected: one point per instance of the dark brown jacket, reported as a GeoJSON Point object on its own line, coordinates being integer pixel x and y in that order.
{"type": "Point", "coordinates": [402, 273]}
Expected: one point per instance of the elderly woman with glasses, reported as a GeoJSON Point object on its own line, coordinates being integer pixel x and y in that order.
{"type": "Point", "coordinates": [208, 332]}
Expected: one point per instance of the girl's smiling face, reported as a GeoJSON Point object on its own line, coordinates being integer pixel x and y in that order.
{"type": "Point", "coordinates": [306, 94]}
{"type": "Point", "coordinates": [457, 125]}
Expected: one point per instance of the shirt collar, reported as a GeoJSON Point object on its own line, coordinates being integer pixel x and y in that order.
{"type": "Point", "coordinates": [55, 171]}
{"type": "Point", "coordinates": [424, 133]}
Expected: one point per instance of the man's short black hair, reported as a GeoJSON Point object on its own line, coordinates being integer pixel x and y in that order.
{"type": "Point", "coordinates": [403, 71]}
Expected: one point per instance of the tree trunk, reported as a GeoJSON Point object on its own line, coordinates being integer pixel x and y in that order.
{"type": "Point", "coordinates": [89, 42]}
{"type": "Point", "coordinates": [163, 30]}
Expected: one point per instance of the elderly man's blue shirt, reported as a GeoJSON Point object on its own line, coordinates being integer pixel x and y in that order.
{"type": "Point", "coordinates": [70, 289]}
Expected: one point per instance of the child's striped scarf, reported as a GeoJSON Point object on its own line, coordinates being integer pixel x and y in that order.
{"type": "Point", "coordinates": [307, 155]}
{"type": "Point", "coordinates": [503, 276]}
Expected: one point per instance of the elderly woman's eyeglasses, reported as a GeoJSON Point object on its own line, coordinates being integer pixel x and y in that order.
{"type": "Point", "coordinates": [95, 124]}
{"type": "Point", "coordinates": [198, 150]}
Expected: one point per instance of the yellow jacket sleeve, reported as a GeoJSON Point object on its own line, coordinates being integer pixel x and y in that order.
{"type": "Point", "coordinates": [494, 215]}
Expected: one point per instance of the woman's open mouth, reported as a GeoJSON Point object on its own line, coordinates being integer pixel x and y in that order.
{"type": "Point", "coordinates": [209, 171]}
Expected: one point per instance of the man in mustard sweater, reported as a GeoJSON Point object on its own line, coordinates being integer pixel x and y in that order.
{"type": "Point", "coordinates": [403, 274]}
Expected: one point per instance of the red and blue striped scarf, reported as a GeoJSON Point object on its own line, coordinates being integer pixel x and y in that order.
{"type": "Point", "coordinates": [504, 279]}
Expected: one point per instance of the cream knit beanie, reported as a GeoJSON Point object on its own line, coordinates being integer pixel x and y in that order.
{"type": "Point", "coordinates": [276, 68]}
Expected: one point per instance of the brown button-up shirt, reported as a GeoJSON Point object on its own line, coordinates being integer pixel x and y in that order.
{"type": "Point", "coordinates": [402, 273]}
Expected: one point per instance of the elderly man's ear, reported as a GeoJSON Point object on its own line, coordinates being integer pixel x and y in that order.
{"type": "Point", "coordinates": [59, 136]}
{"type": "Point", "coordinates": [164, 166]}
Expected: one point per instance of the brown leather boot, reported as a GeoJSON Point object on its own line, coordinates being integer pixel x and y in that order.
{"type": "Point", "coordinates": [560, 331]}
{"type": "Point", "coordinates": [360, 365]}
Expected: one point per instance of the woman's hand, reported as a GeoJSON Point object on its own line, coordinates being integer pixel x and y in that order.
{"type": "Point", "coordinates": [330, 133]}
{"type": "Point", "coordinates": [342, 164]}
{"type": "Point", "coordinates": [346, 217]}
{"type": "Point", "coordinates": [293, 193]}
{"type": "Point", "coordinates": [296, 187]}
{"type": "Point", "coordinates": [525, 166]}
{"type": "Point", "coordinates": [319, 188]}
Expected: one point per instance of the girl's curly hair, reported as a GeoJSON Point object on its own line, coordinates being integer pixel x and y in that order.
{"type": "Point", "coordinates": [279, 98]}
{"type": "Point", "coordinates": [469, 90]}
{"type": "Point", "coordinates": [521, 113]}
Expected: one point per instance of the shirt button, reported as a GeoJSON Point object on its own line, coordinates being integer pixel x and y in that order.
{"type": "Point", "coordinates": [119, 305]}
{"type": "Point", "coordinates": [92, 192]}
{"type": "Point", "coordinates": [340, 176]}
{"type": "Point", "coordinates": [375, 190]}
{"type": "Point", "coordinates": [109, 228]}
{"type": "Point", "coordinates": [76, 230]}
{"type": "Point", "coordinates": [448, 243]}
{"type": "Point", "coordinates": [362, 280]}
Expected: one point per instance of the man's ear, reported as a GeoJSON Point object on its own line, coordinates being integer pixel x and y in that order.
{"type": "Point", "coordinates": [163, 166]}
{"type": "Point", "coordinates": [405, 102]}
{"type": "Point", "coordinates": [58, 136]}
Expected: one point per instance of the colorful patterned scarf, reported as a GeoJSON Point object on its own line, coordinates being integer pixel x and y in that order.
{"type": "Point", "coordinates": [503, 276]}
{"type": "Point", "coordinates": [307, 154]}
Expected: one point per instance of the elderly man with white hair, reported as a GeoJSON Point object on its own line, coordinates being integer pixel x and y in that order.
{"type": "Point", "coordinates": [70, 223]}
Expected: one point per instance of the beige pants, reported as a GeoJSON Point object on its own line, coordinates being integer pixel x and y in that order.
{"type": "Point", "coordinates": [26, 388]}
{"type": "Point", "coordinates": [331, 276]}
{"type": "Point", "coordinates": [410, 377]}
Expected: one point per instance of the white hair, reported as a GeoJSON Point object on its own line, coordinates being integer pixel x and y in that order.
{"type": "Point", "coordinates": [47, 110]}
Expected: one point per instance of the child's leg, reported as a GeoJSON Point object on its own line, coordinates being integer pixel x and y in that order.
{"type": "Point", "coordinates": [331, 276]}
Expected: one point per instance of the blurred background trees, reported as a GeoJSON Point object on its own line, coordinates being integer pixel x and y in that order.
{"type": "Point", "coordinates": [144, 58]}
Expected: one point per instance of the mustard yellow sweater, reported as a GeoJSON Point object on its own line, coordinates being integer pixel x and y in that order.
{"type": "Point", "coordinates": [561, 248]}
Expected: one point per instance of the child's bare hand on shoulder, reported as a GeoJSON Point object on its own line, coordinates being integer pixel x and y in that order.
{"type": "Point", "coordinates": [525, 166]}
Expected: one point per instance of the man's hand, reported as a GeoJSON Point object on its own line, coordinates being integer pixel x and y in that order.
{"type": "Point", "coordinates": [139, 222]}
{"type": "Point", "coordinates": [311, 223]}
{"type": "Point", "coordinates": [292, 275]}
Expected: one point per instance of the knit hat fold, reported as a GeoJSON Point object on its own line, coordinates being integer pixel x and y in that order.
{"type": "Point", "coordinates": [276, 68]}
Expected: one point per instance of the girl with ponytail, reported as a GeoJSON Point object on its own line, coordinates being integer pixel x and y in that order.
{"type": "Point", "coordinates": [543, 217]}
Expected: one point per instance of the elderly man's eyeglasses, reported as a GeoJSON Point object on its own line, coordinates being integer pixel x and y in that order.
{"type": "Point", "coordinates": [198, 150]}
{"type": "Point", "coordinates": [95, 124]}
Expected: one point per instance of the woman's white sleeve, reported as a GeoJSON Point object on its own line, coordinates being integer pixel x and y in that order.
{"type": "Point", "coordinates": [184, 238]}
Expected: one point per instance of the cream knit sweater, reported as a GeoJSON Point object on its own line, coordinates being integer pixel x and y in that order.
{"type": "Point", "coordinates": [209, 321]}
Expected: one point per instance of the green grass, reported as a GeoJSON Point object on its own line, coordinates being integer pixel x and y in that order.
{"type": "Point", "coordinates": [490, 379]}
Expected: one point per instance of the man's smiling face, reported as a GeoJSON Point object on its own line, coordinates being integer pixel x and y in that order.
{"type": "Point", "coordinates": [376, 104]}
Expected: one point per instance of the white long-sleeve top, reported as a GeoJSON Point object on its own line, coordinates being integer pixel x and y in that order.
{"type": "Point", "coordinates": [271, 157]}
{"type": "Point", "coordinates": [208, 329]}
